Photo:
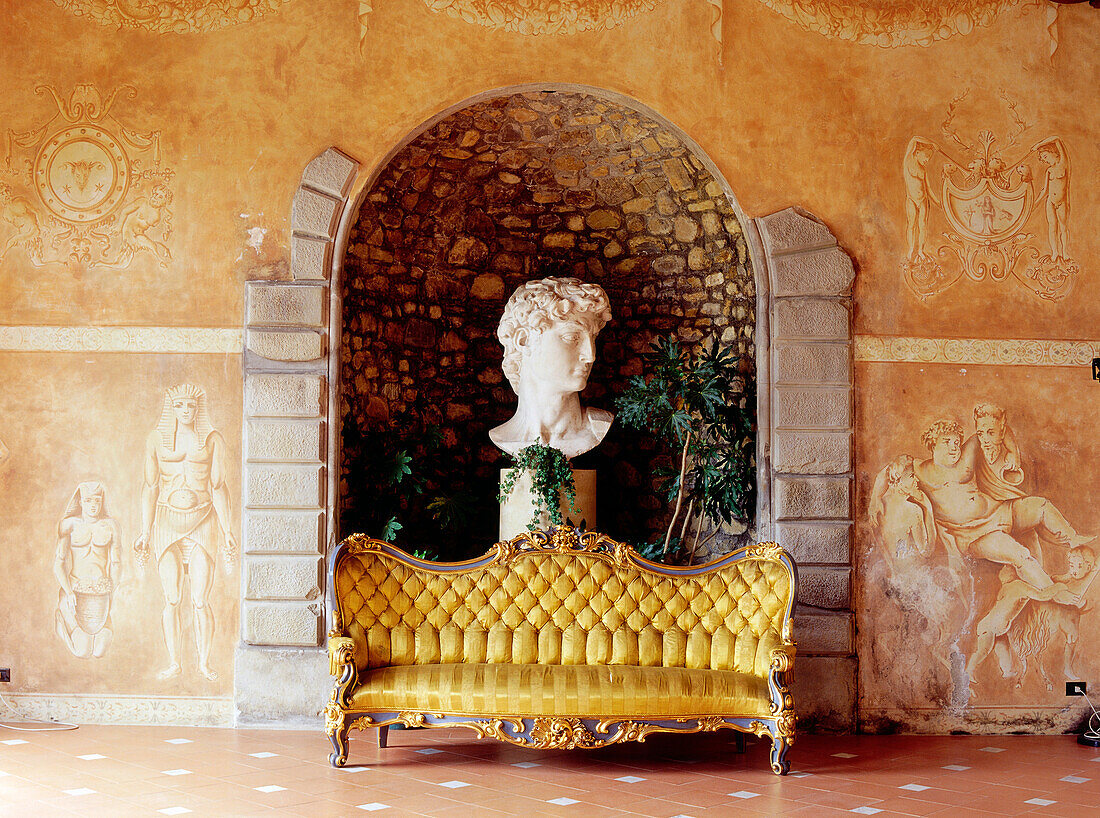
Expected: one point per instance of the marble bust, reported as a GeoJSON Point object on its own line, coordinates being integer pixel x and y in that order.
{"type": "Point", "coordinates": [548, 331]}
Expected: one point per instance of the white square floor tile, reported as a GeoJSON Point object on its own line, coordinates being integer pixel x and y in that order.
{"type": "Point", "coordinates": [844, 755]}
{"type": "Point", "coordinates": [174, 811]}
{"type": "Point", "coordinates": [563, 802]}
{"type": "Point", "coordinates": [630, 779]}
{"type": "Point", "coordinates": [800, 775]}
{"type": "Point", "coordinates": [1040, 802]}
{"type": "Point", "coordinates": [454, 785]}
{"type": "Point", "coordinates": [914, 787]}
{"type": "Point", "coordinates": [86, 791]}
{"type": "Point", "coordinates": [175, 772]}
{"type": "Point", "coordinates": [866, 811]}
{"type": "Point", "coordinates": [263, 755]}
{"type": "Point", "coordinates": [993, 749]}
{"type": "Point", "coordinates": [1074, 779]}
{"type": "Point", "coordinates": [956, 768]}
{"type": "Point", "coordinates": [353, 769]}
{"type": "Point", "coordinates": [178, 741]}
{"type": "Point", "coordinates": [91, 757]}
{"type": "Point", "coordinates": [374, 806]}
{"type": "Point", "coordinates": [526, 765]}
{"type": "Point", "coordinates": [269, 788]}
{"type": "Point", "coordinates": [744, 794]}
{"type": "Point", "coordinates": [11, 742]}
{"type": "Point", "coordinates": [428, 751]}
{"type": "Point", "coordinates": [683, 816]}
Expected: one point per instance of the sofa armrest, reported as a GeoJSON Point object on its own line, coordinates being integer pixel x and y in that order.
{"type": "Point", "coordinates": [341, 664]}
{"type": "Point", "coordinates": [782, 704]}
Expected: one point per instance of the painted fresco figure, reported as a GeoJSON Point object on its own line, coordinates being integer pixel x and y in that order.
{"type": "Point", "coordinates": [136, 220]}
{"type": "Point", "coordinates": [548, 331]}
{"type": "Point", "coordinates": [1052, 153]}
{"type": "Point", "coordinates": [918, 195]}
{"type": "Point", "coordinates": [185, 516]}
{"type": "Point", "coordinates": [981, 525]}
{"type": "Point", "coordinates": [1060, 604]}
{"type": "Point", "coordinates": [86, 564]}
{"type": "Point", "coordinates": [17, 211]}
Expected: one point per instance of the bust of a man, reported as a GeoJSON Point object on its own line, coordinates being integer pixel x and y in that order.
{"type": "Point", "coordinates": [549, 330]}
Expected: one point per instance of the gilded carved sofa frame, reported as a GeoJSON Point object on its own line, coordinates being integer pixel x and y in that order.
{"type": "Point", "coordinates": [557, 732]}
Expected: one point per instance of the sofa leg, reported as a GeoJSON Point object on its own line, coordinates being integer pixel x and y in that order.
{"type": "Point", "coordinates": [383, 736]}
{"type": "Point", "coordinates": [739, 742]}
{"type": "Point", "coordinates": [780, 765]}
{"type": "Point", "coordinates": [339, 739]}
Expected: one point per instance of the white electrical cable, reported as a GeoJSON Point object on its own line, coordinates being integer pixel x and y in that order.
{"type": "Point", "coordinates": [55, 725]}
{"type": "Point", "coordinates": [1093, 730]}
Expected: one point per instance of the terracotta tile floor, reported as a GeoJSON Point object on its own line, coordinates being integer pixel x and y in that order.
{"type": "Point", "coordinates": [122, 771]}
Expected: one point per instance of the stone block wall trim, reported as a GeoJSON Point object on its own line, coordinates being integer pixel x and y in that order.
{"type": "Point", "coordinates": [824, 634]}
{"type": "Point", "coordinates": [284, 395]}
{"type": "Point", "coordinates": [284, 531]}
{"type": "Point", "coordinates": [822, 587]}
{"type": "Point", "coordinates": [286, 345]}
{"type": "Point", "coordinates": [278, 304]}
{"type": "Point", "coordinates": [283, 485]}
{"type": "Point", "coordinates": [811, 542]}
{"type": "Point", "coordinates": [809, 426]}
{"type": "Point", "coordinates": [281, 624]}
{"type": "Point", "coordinates": [107, 708]}
{"type": "Point", "coordinates": [285, 441]}
{"type": "Point", "coordinates": [310, 258]}
{"type": "Point", "coordinates": [315, 214]}
{"type": "Point", "coordinates": [331, 172]}
{"type": "Point", "coordinates": [794, 230]}
{"type": "Point", "coordinates": [283, 578]}
{"type": "Point", "coordinates": [190, 340]}
{"type": "Point", "coordinates": [975, 351]}
{"type": "Point", "coordinates": [824, 688]}
{"type": "Point", "coordinates": [827, 272]}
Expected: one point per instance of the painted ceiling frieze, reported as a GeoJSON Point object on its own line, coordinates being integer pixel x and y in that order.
{"type": "Point", "coordinates": [171, 16]}
{"type": "Point", "coordinates": [544, 16]}
{"type": "Point", "coordinates": [892, 23]}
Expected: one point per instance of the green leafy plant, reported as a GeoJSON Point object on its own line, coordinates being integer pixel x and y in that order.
{"type": "Point", "coordinates": [551, 476]}
{"type": "Point", "coordinates": [698, 402]}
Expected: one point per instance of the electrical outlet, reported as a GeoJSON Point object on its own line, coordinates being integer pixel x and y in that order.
{"type": "Point", "coordinates": [5, 674]}
{"type": "Point", "coordinates": [1075, 689]}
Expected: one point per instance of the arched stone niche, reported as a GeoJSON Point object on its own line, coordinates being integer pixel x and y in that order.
{"type": "Point", "coordinates": [505, 190]}
{"type": "Point", "coordinates": [800, 289]}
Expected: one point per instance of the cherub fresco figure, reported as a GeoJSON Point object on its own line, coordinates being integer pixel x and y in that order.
{"type": "Point", "coordinates": [185, 517]}
{"type": "Point", "coordinates": [918, 195]}
{"type": "Point", "coordinates": [548, 331]}
{"type": "Point", "coordinates": [136, 220]}
{"type": "Point", "coordinates": [17, 212]}
{"type": "Point", "coordinates": [87, 564]}
{"type": "Point", "coordinates": [1052, 153]}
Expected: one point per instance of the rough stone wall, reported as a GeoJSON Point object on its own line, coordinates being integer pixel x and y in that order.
{"type": "Point", "coordinates": [511, 189]}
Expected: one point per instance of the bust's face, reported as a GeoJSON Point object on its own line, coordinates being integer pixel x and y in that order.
{"type": "Point", "coordinates": [561, 356]}
{"type": "Point", "coordinates": [991, 436]}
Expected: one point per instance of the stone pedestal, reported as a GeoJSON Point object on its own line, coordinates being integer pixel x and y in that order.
{"type": "Point", "coordinates": [516, 511]}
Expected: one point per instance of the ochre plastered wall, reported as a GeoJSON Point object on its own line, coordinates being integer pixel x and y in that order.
{"type": "Point", "coordinates": [788, 116]}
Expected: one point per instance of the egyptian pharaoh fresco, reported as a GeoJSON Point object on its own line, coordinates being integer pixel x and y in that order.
{"type": "Point", "coordinates": [987, 209]}
{"type": "Point", "coordinates": [87, 566]}
{"type": "Point", "coordinates": [996, 576]}
{"type": "Point", "coordinates": [185, 519]}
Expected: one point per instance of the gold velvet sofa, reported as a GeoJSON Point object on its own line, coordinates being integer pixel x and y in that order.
{"type": "Point", "coordinates": [560, 639]}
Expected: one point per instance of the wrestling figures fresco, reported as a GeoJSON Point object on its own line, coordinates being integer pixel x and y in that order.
{"type": "Point", "coordinates": [992, 579]}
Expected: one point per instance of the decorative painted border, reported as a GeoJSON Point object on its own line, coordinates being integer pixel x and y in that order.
{"type": "Point", "coordinates": [80, 708]}
{"type": "Point", "coordinates": [974, 351]}
{"type": "Point", "coordinates": [121, 339]}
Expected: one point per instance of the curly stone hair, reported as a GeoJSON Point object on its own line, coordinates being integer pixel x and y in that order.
{"type": "Point", "coordinates": [537, 305]}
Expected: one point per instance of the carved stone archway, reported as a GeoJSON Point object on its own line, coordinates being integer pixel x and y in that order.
{"type": "Point", "coordinates": [804, 439]}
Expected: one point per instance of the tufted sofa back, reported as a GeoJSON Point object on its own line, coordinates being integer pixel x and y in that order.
{"type": "Point", "coordinates": [568, 608]}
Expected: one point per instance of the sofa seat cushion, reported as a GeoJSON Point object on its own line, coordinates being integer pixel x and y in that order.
{"type": "Point", "coordinates": [561, 690]}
